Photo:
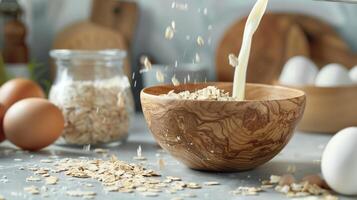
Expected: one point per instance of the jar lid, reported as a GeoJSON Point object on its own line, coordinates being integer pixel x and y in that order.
{"type": "Point", "coordinates": [107, 54]}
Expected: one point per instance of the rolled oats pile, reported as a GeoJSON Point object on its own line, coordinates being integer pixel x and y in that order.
{"type": "Point", "coordinates": [208, 93]}
{"type": "Point", "coordinates": [117, 176]}
{"type": "Point", "coordinates": [310, 186]}
{"type": "Point", "coordinates": [95, 112]}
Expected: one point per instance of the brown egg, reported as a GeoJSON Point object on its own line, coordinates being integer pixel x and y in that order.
{"type": "Point", "coordinates": [2, 113]}
{"type": "Point", "coordinates": [17, 89]}
{"type": "Point", "coordinates": [33, 123]}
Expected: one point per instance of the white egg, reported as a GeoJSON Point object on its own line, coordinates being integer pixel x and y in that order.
{"type": "Point", "coordinates": [339, 162]}
{"type": "Point", "coordinates": [333, 75]}
{"type": "Point", "coordinates": [298, 70]}
{"type": "Point", "coordinates": [353, 74]}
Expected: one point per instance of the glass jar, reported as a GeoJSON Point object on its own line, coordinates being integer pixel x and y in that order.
{"type": "Point", "coordinates": [94, 95]}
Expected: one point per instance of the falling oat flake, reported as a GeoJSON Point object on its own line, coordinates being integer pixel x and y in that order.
{"type": "Point", "coordinates": [200, 41]}
{"type": "Point", "coordinates": [233, 60]}
{"type": "Point", "coordinates": [179, 6]}
{"type": "Point", "coordinates": [160, 76]}
{"type": "Point", "coordinates": [173, 25]}
{"type": "Point", "coordinates": [169, 33]}
{"type": "Point", "coordinates": [175, 81]}
{"type": "Point", "coordinates": [197, 58]}
{"type": "Point", "coordinates": [139, 151]}
{"type": "Point", "coordinates": [147, 63]}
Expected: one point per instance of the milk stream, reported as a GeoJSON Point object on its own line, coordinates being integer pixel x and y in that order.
{"type": "Point", "coordinates": [251, 26]}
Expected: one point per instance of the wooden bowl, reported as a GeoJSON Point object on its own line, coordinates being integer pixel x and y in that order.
{"type": "Point", "coordinates": [329, 109]}
{"type": "Point", "coordinates": [223, 135]}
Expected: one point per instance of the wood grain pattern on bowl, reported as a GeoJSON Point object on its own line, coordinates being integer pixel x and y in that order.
{"type": "Point", "coordinates": [223, 135]}
{"type": "Point", "coordinates": [329, 109]}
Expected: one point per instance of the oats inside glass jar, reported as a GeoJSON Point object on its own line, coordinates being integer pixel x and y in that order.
{"type": "Point", "coordinates": [95, 111]}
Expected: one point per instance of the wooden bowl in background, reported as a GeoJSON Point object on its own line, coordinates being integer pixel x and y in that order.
{"type": "Point", "coordinates": [329, 109]}
{"type": "Point", "coordinates": [223, 135]}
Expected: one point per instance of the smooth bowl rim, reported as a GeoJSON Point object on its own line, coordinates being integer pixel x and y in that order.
{"type": "Point", "coordinates": [298, 93]}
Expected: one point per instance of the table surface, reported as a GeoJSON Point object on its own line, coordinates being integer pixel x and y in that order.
{"type": "Point", "coordinates": [303, 152]}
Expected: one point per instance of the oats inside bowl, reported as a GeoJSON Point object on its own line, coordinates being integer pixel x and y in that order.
{"type": "Point", "coordinates": [207, 93]}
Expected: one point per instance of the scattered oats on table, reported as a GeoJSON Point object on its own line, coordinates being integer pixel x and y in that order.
{"type": "Point", "coordinates": [101, 151]}
{"type": "Point", "coordinates": [211, 183]}
{"type": "Point", "coordinates": [150, 194]}
{"type": "Point", "coordinates": [32, 178]}
{"type": "Point", "coordinates": [173, 178]}
{"type": "Point", "coordinates": [51, 180]}
{"type": "Point", "coordinates": [193, 185]}
{"type": "Point", "coordinates": [79, 193]}
{"type": "Point", "coordinates": [275, 179]}
{"type": "Point", "coordinates": [286, 185]}
{"type": "Point", "coordinates": [46, 161]}
{"type": "Point", "coordinates": [32, 190]}
{"type": "Point", "coordinates": [248, 191]}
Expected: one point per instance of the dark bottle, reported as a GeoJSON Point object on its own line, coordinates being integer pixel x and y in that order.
{"type": "Point", "coordinates": [15, 52]}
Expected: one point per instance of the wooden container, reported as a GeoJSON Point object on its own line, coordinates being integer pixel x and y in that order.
{"type": "Point", "coordinates": [329, 109]}
{"type": "Point", "coordinates": [223, 135]}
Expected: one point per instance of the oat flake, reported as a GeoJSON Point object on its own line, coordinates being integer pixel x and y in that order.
{"type": "Point", "coordinates": [32, 190]}
{"type": "Point", "coordinates": [174, 80]}
{"type": "Point", "coordinates": [79, 193]}
{"type": "Point", "coordinates": [200, 41]}
{"type": "Point", "coordinates": [160, 76]}
{"type": "Point", "coordinates": [211, 183]}
{"type": "Point", "coordinates": [147, 63]}
{"type": "Point", "coordinates": [233, 60]}
{"type": "Point", "coordinates": [32, 178]}
{"type": "Point", "coordinates": [169, 33]}
{"type": "Point", "coordinates": [51, 180]}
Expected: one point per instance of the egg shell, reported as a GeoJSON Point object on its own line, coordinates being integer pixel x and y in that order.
{"type": "Point", "coordinates": [33, 123]}
{"type": "Point", "coordinates": [298, 71]}
{"type": "Point", "coordinates": [339, 162]}
{"type": "Point", "coordinates": [2, 113]}
{"type": "Point", "coordinates": [333, 75]}
{"type": "Point", "coordinates": [353, 74]}
{"type": "Point", "coordinates": [17, 89]}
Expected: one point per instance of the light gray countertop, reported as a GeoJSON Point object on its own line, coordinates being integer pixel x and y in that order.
{"type": "Point", "coordinates": [303, 151]}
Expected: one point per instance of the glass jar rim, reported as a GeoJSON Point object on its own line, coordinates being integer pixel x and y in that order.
{"type": "Point", "coordinates": [106, 54]}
